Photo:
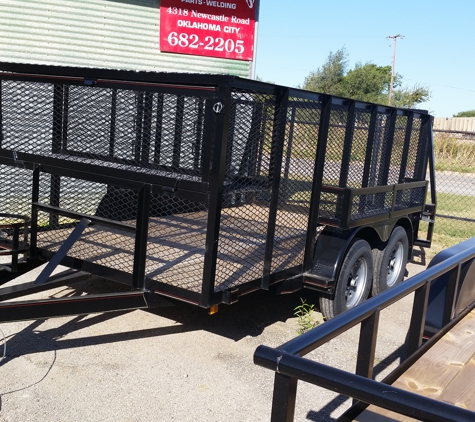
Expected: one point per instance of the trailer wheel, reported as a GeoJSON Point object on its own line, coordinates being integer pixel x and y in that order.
{"type": "Point", "coordinates": [354, 281]}
{"type": "Point", "coordinates": [390, 263]}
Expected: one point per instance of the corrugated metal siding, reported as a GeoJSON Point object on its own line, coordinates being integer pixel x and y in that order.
{"type": "Point", "coordinates": [117, 34]}
{"type": "Point", "coordinates": [462, 124]}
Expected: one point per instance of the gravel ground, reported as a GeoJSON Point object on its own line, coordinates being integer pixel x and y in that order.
{"type": "Point", "coordinates": [173, 364]}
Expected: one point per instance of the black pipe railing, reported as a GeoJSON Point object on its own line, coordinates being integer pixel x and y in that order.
{"type": "Point", "coordinates": [289, 363]}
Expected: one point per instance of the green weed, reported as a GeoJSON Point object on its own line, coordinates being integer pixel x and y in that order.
{"type": "Point", "coordinates": [306, 320]}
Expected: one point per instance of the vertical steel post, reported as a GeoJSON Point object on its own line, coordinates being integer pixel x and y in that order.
{"type": "Point", "coordinates": [431, 159]}
{"type": "Point", "coordinates": [15, 247]}
{"type": "Point", "coordinates": [158, 130]}
{"type": "Point", "coordinates": [113, 123]}
{"type": "Point", "coordinates": [64, 130]}
{"type": "Point", "coordinates": [369, 146]}
{"type": "Point", "coordinates": [208, 139]}
{"type": "Point", "coordinates": [197, 153]}
{"type": "Point", "coordinates": [433, 191]}
{"type": "Point", "coordinates": [57, 139]}
{"type": "Point", "coordinates": [141, 238]}
{"type": "Point", "coordinates": [284, 397]}
{"type": "Point", "coordinates": [317, 180]}
{"type": "Point", "coordinates": [388, 147]}
{"type": "Point", "coordinates": [451, 294]}
{"type": "Point", "coordinates": [407, 144]}
{"type": "Point", "coordinates": [138, 125]}
{"type": "Point", "coordinates": [34, 212]}
{"type": "Point", "coordinates": [348, 144]}
{"type": "Point", "coordinates": [217, 123]}
{"type": "Point", "coordinates": [262, 116]}
{"type": "Point", "coordinates": [367, 345]}
{"type": "Point", "coordinates": [275, 168]}
{"type": "Point", "coordinates": [147, 129]}
{"type": "Point", "coordinates": [1, 115]}
{"type": "Point", "coordinates": [178, 139]}
{"type": "Point", "coordinates": [419, 311]}
{"type": "Point", "coordinates": [423, 146]}
{"type": "Point", "coordinates": [288, 154]}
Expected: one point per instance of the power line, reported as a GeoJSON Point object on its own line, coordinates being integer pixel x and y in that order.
{"type": "Point", "coordinates": [446, 86]}
{"type": "Point", "coordinates": [394, 38]}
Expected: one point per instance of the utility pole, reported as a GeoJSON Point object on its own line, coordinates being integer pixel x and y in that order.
{"type": "Point", "coordinates": [394, 38]}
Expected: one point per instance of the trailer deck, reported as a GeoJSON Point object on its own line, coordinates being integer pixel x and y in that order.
{"type": "Point", "coordinates": [446, 372]}
{"type": "Point", "coordinates": [176, 246]}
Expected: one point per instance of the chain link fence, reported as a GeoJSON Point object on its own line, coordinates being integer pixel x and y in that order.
{"type": "Point", "coordinates": [455, 186]}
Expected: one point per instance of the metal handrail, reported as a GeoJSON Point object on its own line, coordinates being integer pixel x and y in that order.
{"type": "Point", "coordinates": [289, 364]}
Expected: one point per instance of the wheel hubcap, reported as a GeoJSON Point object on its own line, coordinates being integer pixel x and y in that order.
{"type": "Point", "coordinates": [395, 263]}
{"type": "Point", "coordinates": [356, 282]}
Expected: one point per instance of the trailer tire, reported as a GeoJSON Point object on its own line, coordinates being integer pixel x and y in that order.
{"type": "Point", "coordinates": [354, 282]}
{"type": "Point", "coordinates": [390, 262]}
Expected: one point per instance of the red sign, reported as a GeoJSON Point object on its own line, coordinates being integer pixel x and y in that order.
{"type": "Point", "coordinates": [208, 28]}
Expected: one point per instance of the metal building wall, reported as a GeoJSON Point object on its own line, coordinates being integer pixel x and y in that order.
{"type": "Point", "coordinates": [462, 124]}
{"type": "Point", "coordinates": [117, 34]}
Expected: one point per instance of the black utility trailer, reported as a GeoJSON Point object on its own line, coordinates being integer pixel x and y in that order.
{"type": "Point", "coordinates": [202, 188]}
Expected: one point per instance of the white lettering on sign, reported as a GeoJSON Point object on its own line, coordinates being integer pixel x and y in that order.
{"type": "Point", "coordinates": [221, 18]}
{"type": "Point", "coordinates": [234, 19]}
{"type": "Point", "coordinates": [221, 4]}
{"type": "Point", "coordinates": [213, 28]}
{"type": "Point", "coordinates": [200, 25]}
{"type": "Point", "coordinates": [231, 30]}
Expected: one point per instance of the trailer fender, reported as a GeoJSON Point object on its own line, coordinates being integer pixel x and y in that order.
{"type": "Point", "coordinates": [333, 243]}
{"type": "Point", "coordinates": [330, 249]}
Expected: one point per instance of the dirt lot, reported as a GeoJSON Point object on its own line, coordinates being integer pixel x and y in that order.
{"type": "Point", "coordinates": [172, 364]}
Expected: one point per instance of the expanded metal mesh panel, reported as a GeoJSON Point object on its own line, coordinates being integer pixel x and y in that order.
{"type": "Point", "coordinates": [331, 206]}
{"type": "Point", "coordinates": [15, 190]}
{"type": "Point", "coordinates": [245, 214]}
{"type": "Point", "coordinates": [397, 150]}
{"type": "Point", "coordinates": [296, 183]}
{"type": "Point", "coordinates": [357, 152]}
{"type": "Point", "coordinates": [410, 198]}
{"type": "Point", "coordinates": [177, 242]}
{"type": "Point", "coordinates": [415, 150]}
{"type": "Point", "coordinates": [364, 206]}
{"type": "Point", "coordinates": [335, 145]}
{"type": "Point", "coordinates": [27, 110]}
{"type": "Point", "coordinates": [81, 196]}
{"type": "Point", "coordinates": [150, 130]}
{"type": "Point", "coordinates": [378, 154]}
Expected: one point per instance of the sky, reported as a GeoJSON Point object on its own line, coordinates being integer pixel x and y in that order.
{"type": "Point", "coordinates": [437, 51]}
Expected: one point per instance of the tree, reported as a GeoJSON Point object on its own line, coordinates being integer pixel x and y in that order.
{"type": "Point", "coordinates": [365, 82]}
{"type": "Point", "coordinates": [328, 78]}
{"type": "Point", "coordinates": [368, 82]}
{"type": "Point", "coordinates": [410, 97]}
{"type": "Point", "coordinates": [468, 113]}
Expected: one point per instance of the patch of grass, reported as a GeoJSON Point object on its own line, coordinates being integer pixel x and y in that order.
{"type": "Point", "coordinates": [453, 154]}
{"type": "Point", "coordinates": [448, 232]}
